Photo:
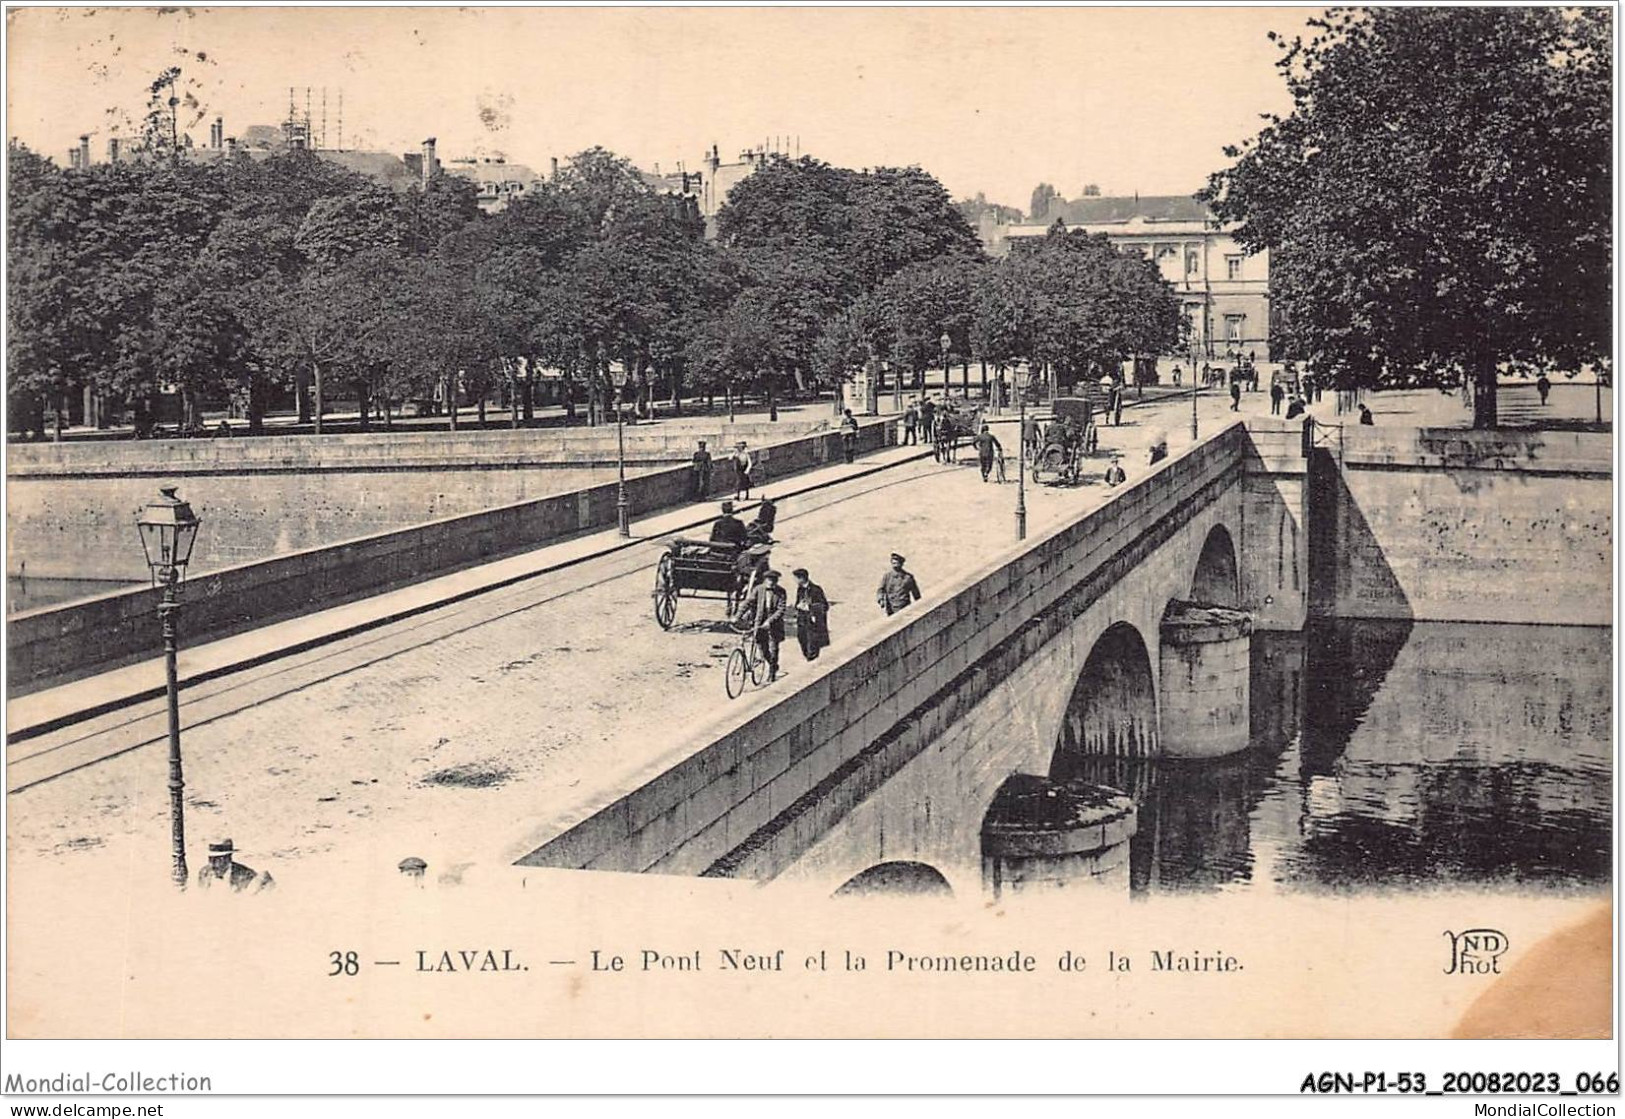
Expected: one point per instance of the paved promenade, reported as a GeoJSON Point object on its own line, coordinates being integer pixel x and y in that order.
{"type": "Point", "coordinates": [449, 733]}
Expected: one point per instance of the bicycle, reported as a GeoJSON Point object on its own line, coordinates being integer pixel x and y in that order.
{"type": "Point", "coordinates": [746, 662]}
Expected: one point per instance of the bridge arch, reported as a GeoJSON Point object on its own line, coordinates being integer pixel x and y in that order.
{"type": "Point", "coordinates": [897, 878]}
{"type": "Point", "coordinates": [1113, 707]}
{"type": "Point", "coordinates": [1216, 582]}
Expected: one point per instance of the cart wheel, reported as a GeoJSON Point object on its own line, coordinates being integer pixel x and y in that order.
{"type": "Point", "coordinates": [665, 607]}
{"type": "Point", "coordinates": [737, 672]}
{"type": "Point", "coordinates": [665, 593]}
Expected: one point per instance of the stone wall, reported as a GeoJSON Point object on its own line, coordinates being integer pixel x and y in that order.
{"type": "Point", "coordinates": [70, 507]}
{"type": "Point", "coordinates": [1455, 525]}
{"type": "Point", "coordinates": [73, 639]}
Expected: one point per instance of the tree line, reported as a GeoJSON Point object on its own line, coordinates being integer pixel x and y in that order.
{"type": "Point", "coordinates": [243, 277]}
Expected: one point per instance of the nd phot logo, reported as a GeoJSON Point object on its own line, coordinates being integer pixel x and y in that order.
{"type": "Point", "coordinates": [1476, 951]}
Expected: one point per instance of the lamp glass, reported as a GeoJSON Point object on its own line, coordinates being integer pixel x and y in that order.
{"type": "Point", "coordinates": [168, 529]}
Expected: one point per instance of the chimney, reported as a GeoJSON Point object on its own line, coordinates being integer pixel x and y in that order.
{"type": "Point", "coordinates": [431, 165]}
{"type": "Point", "coordinates": [555, 167]}
{"type": "Point", "coordinates": [231, 144]}
{"type": "Point", "coordinates": [84, 151]}
{"type": "Point", "coordinates": [217, 133]}
{"type": "Point", "coordinates": [73, 159]}
{"type": "Point", "coordinates": [112, 149]}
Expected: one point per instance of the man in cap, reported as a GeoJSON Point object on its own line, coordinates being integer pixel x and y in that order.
{"type": "Point", "coordinates": [223, 867]}
{"type": "Point", "coordinates": [728, 529]}
{"type": "Point", "coordinates": [702, 472]}
{"type": "Point", "coordinates": [1114, 473]}
{"type": "Point", "coordinates": [768, 610]}
{"type": "Point", "coordinates": [812, 614]}
{"type": "Point", "coordinates": [987, 446]}
{"type": "Point", "coordinates": [897, 588]}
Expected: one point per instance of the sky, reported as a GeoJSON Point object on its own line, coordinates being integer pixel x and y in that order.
{"type": "Point", "coordinates": [988, 99]}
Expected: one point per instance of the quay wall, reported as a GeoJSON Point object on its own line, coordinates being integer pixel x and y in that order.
{"type": "Point", "coordinates": [1436, 524]}
{"type": "Point", "coordinates": [54, 643]}
{"type": "Point", "coordinates": [70, 506]}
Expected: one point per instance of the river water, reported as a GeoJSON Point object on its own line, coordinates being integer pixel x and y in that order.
{"type": "Point", "coordinates": [1393, 754]}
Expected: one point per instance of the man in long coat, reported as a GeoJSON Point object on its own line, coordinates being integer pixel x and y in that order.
{"type": "Point", "coordinates": [812, 615]}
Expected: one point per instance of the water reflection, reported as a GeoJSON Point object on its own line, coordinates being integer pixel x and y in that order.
{"type": "Point", "coordinates": [1394, 754]}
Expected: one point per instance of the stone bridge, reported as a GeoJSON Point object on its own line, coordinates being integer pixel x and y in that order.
{"type": "Point", "coordinates": [1096, 637]}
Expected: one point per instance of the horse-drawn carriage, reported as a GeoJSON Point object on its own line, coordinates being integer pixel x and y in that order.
{"type": "Point", "coordinates": [1058, 457]}
{"type": "Point", "coordinates": [706, 569]}
{"type": "Point", "coordinates": [957, 423]}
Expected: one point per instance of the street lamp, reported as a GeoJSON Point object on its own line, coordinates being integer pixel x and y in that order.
{"type": "Point", "coordinates": [622, 515]}
{"type": "Point", "coordinates": [1024, 378]}
{"type": "Point", "coordinates": [945, 342]}
{"type": "Point", "coordinates": [1196, 386]}
{"type": "Point", "coordinates": [168, 530]}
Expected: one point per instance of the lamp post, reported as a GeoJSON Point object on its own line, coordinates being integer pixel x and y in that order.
{"type": "Point", "coordinates": [946, 343]}
{"type": "Point", "coordinates": [1023, 379]}
{"type": "Point", "coordinates": [622, 516]}
{"type": "Point", "coordinates": [168, 530]}
{"type": "Point", "coordinates": [1196, 386]}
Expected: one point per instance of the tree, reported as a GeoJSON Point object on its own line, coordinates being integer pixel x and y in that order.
{"type": "Point", "coordinates": [1437, 204]}
{"type": "Point", "coordinates": [1076, 303]}
{"type": "Point", "coordinates": [1043, 195]}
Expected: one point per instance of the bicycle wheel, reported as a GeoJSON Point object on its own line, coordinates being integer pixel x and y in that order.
{"type": "Point", "coordinates": [758, 664]}
{"type": "Point", "coordinates": [737, 672]}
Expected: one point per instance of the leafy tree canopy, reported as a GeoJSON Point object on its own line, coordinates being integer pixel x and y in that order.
{"type": "Point", "coordinates": [1438, 200]}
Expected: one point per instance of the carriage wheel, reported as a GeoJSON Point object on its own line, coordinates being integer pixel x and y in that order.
{"type": "Point", "coordinates": [737, 672]}
{"type": "Point", "coordinates": [665, 593]}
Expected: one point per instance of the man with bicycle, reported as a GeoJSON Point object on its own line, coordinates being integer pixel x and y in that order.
{"type": "Point", "coordinates": [767, 608]}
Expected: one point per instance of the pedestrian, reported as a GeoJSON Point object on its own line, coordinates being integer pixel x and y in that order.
{"type": "Point", "coordinates": [224, 867]}
{"type": "Point", "coordinates": [849, 436]}
{"type": "Point", "coordinates": [812, 615]}
{"type": "Point", "coordinates": [987, 446]}
{"type": "Point", "coordinates": [911, 420]}
{"type": "Point", "coordinates": [1365, 415]}
{"type": "Point", "coordinates": [1117, 405]}
{"type": "Point", "coordinates": [1032, 438]}
{"type": "Point", "coordinates": [1294, 407]}
{"type": "Point", "coordinates": [1277, 394]}
{"type": "Point", "coordinates": [702, 472]}
{"type": "Point", "coordinates": [768, 610]}
{"type": "Point", "coordinates": [1235, 395]}
{"type": "Point", "coordinates": [1114, 473]}
{"type": "Point", "coordinates": [1207, 375]}
{"type": "Point", "coordinates": [897, 587]}
{"type": "Point", "coordinates": [1543, 386]}
{"type": "Point", "coordinates": [1177, 375]}
{"type": "Point", "coordinates": [1320, 388]}
{"type": "Point", "coordinates": [1306, 388]}
{"type": "Point", "coordinates": [743, 464]}
{"type": "Point", "coordinates": [928, 419]}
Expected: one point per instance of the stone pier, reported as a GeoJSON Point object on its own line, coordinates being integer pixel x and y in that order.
{"type": "Point", "coordinates": [1205, 662]}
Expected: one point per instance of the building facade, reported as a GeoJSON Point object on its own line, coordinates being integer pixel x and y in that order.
{"type": "Point", "coordinates": [1223, 290]}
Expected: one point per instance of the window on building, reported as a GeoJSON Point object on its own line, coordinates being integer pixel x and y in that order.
{"type": "Point", "coordinates": [1234, 327]}
{"type": "Point", "coordinates": [1193, 262]}
{"type": "Point", "coordinates": [1232, 267]}
{"type": "Point", "coordinates": [1166, 252]}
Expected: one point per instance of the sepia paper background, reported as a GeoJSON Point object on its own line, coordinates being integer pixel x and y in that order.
{"type": "Point", "coordinates": [117, 955]}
